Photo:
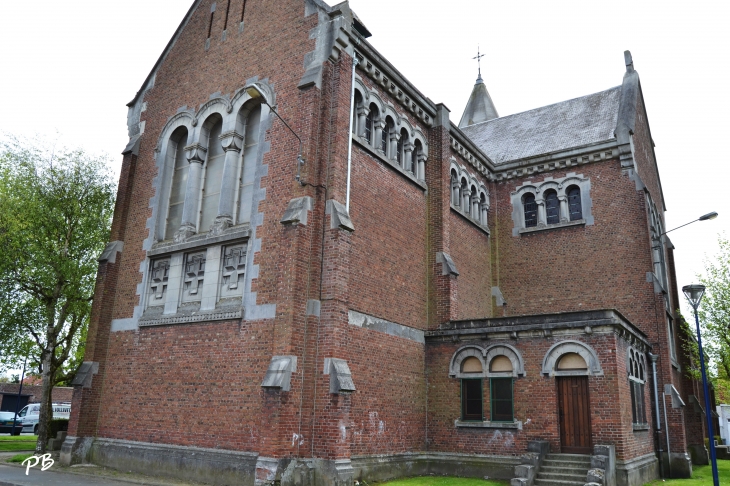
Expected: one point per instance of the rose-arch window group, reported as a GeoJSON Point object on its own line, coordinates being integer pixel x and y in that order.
{"type": "Point", "coordinates": [552, 208]}
{"type": "Point", "coordinates": [470, 199]}
{"type": "Point", "coordinates": [378, 129]}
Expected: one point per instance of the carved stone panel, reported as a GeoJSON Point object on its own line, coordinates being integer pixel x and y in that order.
{"type": "Point", "coordinates": [157, 291]}
{"type": "Point", "coordinates": [193, 275]}
{"type": "Point", "coordinates": [234, 268]}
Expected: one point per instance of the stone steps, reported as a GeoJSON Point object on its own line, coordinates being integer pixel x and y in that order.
{"type": "Point", "coordinates": [563, 470]}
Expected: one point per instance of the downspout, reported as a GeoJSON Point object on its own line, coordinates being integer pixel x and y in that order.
{"type": "Point", "coordinates": [658, 425]}
{"type": "Point", "coordinates": [355, 62]}
{"type": "Point", "coordinates": [666, 429]}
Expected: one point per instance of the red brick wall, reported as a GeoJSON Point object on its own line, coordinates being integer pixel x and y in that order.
{"type": "Point", "coordinates": [471, 253]}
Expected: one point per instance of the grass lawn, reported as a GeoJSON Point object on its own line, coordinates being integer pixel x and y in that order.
{"type": "Point", "coordinates": [701, 476]}
{"type": "Point", "coordinates": [17, 443]}
{"type": "Point", "coordinates": [443, 481]}
{"type": "Point", "coordinates": [19, 458]}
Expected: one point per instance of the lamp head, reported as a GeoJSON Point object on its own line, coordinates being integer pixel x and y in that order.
{"type": "Point", "coordinates": [694, 294]}
{"type": "Point", "coordinates": [707, 216]}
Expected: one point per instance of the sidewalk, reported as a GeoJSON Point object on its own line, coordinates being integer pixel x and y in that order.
{"type": "Point", "coordinates": [80, 475]}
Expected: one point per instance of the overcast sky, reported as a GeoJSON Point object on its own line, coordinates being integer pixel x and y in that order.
{"type": "Point", "coordinates": [70, 67]}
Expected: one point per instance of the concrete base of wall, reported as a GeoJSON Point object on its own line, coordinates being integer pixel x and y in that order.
{"type": "Point", "coordinates": [212, 466]}
{"type": "Point", "coordinates": [699, 454]}
{"type": "Point", "coordinates": [681, 465]}
{"type": "Point", "coordinates": [637, 471]}
{"type": "Point", "coordinates": [391, 466]}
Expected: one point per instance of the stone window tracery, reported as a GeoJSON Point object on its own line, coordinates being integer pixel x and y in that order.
{"type": "Point", "coordinates": [637, 379]}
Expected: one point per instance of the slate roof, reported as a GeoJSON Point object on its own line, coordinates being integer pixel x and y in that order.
{"type": "Point", "coordinates": [573, 123]}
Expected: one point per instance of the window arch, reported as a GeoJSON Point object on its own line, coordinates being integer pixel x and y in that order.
{"type": "Point", "coordinates": [636, 363]}
{"type": "Point", "coordinates": [177, 162]}
{"type": "Point", "coordinates": [575, 208]}
{"type": "Point", "coordinates": [454, 188]}
{"type": "Point", "coordinates": [400, 147]}
{"type": "Point", "coordinates": [530, 209]}
{"type": "Point", "coordinates": [552, 207]}
{"type": "Point", "coordinates": [551, 364]}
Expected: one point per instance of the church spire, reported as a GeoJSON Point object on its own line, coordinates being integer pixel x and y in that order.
{"type": "Point", "coordinates": [479, 108]}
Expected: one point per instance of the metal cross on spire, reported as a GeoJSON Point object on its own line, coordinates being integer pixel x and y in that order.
{"type": "Point", "coordinates": [479, 60]}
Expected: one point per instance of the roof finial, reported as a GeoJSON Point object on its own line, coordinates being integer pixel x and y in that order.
{"type": "Point", "coordinates": [479, 63]}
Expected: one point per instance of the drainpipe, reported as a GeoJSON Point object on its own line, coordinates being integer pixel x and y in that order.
{"type": "Point", "coordinates": [669, 454]}
{"type": "Point", "coordinates": [658, 424]}
{"type": "Point", "coordinates": [355, 62]}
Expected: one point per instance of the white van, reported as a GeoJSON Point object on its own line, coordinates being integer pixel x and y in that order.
{"type": "Point", "coordinates": [29, 415]}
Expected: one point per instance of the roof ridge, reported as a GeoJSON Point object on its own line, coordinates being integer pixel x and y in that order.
{"type": "Point", "coordinates": [541, 107]}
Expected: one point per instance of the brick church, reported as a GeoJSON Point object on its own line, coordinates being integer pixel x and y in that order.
{"type": "Point", "coordinates": [316, 276]}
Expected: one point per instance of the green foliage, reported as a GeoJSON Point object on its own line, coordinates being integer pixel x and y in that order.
{"type": "Point", "coordinates": [55, 216]}
{"type": "Point", "coordinates": [701, 476]}
{"type": "Point", "coordinates": [19, 458]}
{"type": "Point", "coordinates": [714, 311]}
{"type": "Point", "coordinates": [17, 443]}
{"type": "Point", "coordinates": [57, 425]}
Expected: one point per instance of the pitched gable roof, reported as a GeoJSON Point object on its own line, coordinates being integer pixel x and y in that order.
{"type": "Point", "coordinates": [573, 123]}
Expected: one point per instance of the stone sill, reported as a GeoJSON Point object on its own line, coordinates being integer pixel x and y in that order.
{"type": "Point", "coordinates": [218, 315]}
{"type": "Point", "coordinates": [392, 163]}
{"type": "Point", "coordinates": [489, 425]}
{"type": "Point", "coordinates": [641, 427]}
{"type": "Point", "coordinates": [579, 222]}
{"type": "Point", "coordinates": [200, 241]}
{"type": "Point", "coordinates": [457, 210]}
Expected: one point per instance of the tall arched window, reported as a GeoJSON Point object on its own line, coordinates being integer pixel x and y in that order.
{"type": "Point", "coordinates": [471, 390]}
{"type": "Point", "coordinates": [552, 207]}
{"type": "Point", "coordinates": [574, 205]}
{"type": "Point", "coordinates": [417, 149]}
{"type": "Point", "coordinates": [386, 137]}
{"type": "Point", "coordinates": [501, 404]}
{"type": "Point", "coordinates": [213, 176]}
{"type": "Point", "coordinates": [636, 365]}
{"type": "Point", "coordinates": [369, 127]}
{"type": "Point", "coordinates": [176, 160]}
{"type": "Point", "coordinates": [454, 188]}
{"type": "Point", "coordinates": [528, 202]}
{"type": "Point", "coordinates": [483, 209]}
{"type": "Point", "coordinates": [248, 171]}
{"type": "Point", "coordinates": [399, 147]}
{"type": "Point", "coordinates": [358, 105]}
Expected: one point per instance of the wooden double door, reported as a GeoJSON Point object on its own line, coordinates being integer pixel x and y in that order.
{"type": "Point", "coordinates": [574, 413]}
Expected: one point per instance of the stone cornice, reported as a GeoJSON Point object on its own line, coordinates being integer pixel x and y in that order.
{"type": "Point", "coordinates": [542, 325]}
{"type": "Point", "coordinates": [384, 74]}
{"type": "Point", "coordinates": [557, 160]}
{"type": "Point", "coordinates": [471, 153]}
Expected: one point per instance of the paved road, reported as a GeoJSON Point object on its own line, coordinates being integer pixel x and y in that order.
{"type": "Point", "coordinates": [15, 476]}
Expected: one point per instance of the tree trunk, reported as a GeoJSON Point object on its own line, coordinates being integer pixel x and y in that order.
{"type": "Point", "coordinates": [46, 411]}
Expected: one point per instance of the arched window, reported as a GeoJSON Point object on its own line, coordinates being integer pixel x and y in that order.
{"type": "Point", "coordinates": [176, 160]}
{"type": "Point", "coordinates": [528, 202]}
{"type": "Point", "coordinates": [574, 206]}
{"type": "Point", "coordinates": [483, 209]}
{"type": "Point", "coordinates": [248, 171]}
{"type": "Point", "coordinates": [572, 362]}
{"type": "Point", "coordinates": [358, 105]}
{"type": "Point", "coordinates": [414, 157]}
{"type": "Point", "coordinates": [400, 147]}
{"type": "Point", "coordinates": [213, 175]}
{"type": "Point", "coordinates": [636, 368]}
{"type": "Point", "coordinates": [552, 207]}
{"type": "Point", "coordinates": [501, 403]}
{"type": "Point", "coordinates": [369, 126]}
{"type": "Point", "coordinates": [386, 136]}
{"type": "Point", "coordinates": [472, 408]}
{"type": "Point", "coordinates": [454, 188]}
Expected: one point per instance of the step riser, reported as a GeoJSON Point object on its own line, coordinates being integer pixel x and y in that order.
{"type": "Point", "coordinates": [563, 470]}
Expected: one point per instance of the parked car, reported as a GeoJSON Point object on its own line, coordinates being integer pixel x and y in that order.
{"type": "Point", "coordinates": [29, 415]}
{"type": "Point", "coordinates": [6, 424]}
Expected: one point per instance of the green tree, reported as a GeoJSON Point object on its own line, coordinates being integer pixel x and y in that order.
{"type": "Point", "coordinates": [714, 310]}
{"type": "Point", "coordinates": [55, 216]}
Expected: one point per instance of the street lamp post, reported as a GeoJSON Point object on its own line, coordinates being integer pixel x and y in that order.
{"type": "Point", "coordinates": [694, 294]}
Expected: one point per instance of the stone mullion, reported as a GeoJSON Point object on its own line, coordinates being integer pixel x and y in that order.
{"type": "Point", "coordinates": [232, 143]}
{"type": "Point", "coordinates": [407, 159]}
{"type": "Point", "coordinates": [564, 216]}
{"type": "Point", "coordinates": [485, 212]}
{"type": "Point", "coordinates": [196, 156]}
